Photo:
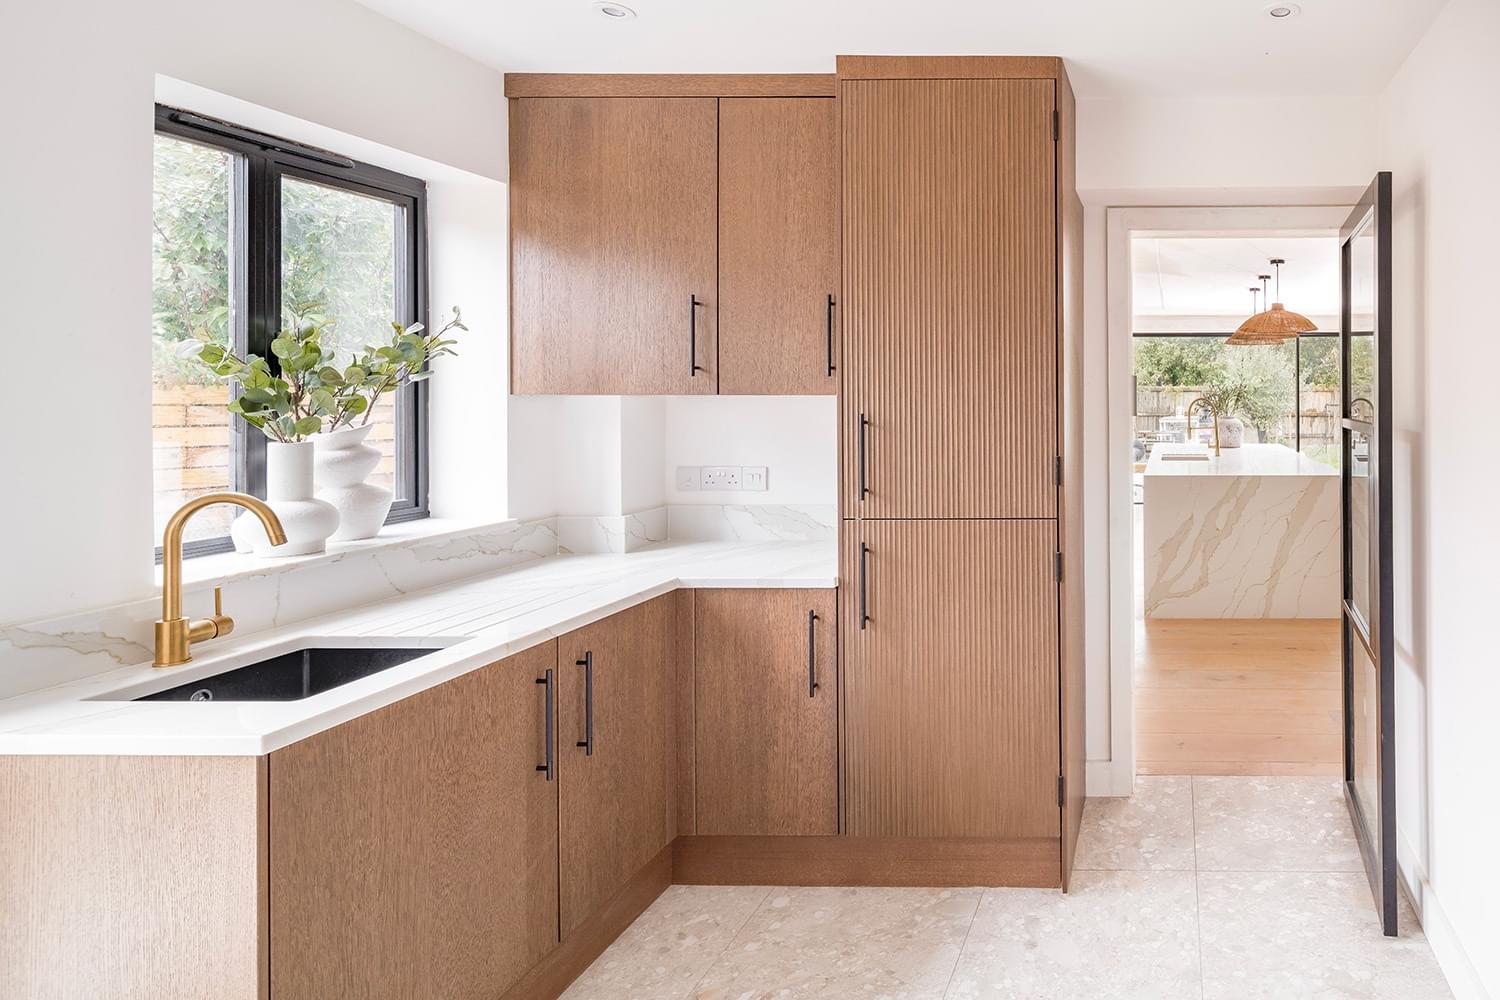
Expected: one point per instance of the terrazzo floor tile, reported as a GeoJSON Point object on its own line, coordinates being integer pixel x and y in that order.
{"type": "Point", "coordinates": [1152, 829]}
{"type": "Point", "coordinates": [1275, 935]}
{"type": "Point", "coordinates": [1116, 934]}
{"type": "Point", "coordinates": [879, 944]}
{"type": "Point", "coordinates": [664, 954]}
{"type": "Point", "coordinates": [1273, 824]}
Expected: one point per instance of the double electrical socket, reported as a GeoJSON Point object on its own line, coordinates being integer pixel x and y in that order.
{"type": "Point", "coordinates": [722, 477]}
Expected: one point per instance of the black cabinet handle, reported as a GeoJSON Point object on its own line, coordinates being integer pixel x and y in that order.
{"type": "Point", "coordinates": [694, 366]}
{"type": "Point", "coordinates": [864, 605]}
{"type": "Point", "coordinates": [830, 334]}
{"type": "Point", "coordinates": [864, 490]}
{"type": "Point", "coordinates": [550, 766]}
{"type": "Point", "coordinates": [587, 663]}
{"type": "Point", "coordinates": [812, 655]}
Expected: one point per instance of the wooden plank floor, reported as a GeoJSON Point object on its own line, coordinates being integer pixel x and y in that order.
{"type": "Point", "coordinates": [1237, 696]}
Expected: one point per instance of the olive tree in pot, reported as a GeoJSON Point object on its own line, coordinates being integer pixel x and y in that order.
{"type": "Point", "coordinates": [343, 460]}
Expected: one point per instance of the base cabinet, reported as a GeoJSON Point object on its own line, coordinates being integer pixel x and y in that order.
{"type": "Point", "coordinates": [766, 713]}
{"type": "Point", "coordinates": [413, 851]}
{"type": "Point", "coordinates": [950, 679]}
{"type": "Point", "coordinates": [613, 765]}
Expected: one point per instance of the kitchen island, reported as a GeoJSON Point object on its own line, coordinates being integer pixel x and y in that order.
{"type": "Point", "coordinates": [1251, 533]}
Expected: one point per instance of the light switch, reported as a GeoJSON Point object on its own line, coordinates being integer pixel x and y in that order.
{"type": "Point", "coordinates": [753, 477]}
{"type": "Point", "coordinates": [688, 477]}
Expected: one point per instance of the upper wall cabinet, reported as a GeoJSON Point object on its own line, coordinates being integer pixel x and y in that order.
{"type": "Point", "coordinates": [950, 298]}
{"type": "Point", "coordinates": [613, 231]}
{"type": "Point", "coordinates": [673, 245]}
{"type": "Point", "coordinates": [778, 245]}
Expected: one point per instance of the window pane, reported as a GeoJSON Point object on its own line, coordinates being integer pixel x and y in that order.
{"type": "Point", "coordinates": [339, 256]}
{"type": "Point", "coordinates": [1171, 372]}
{"type": "Point", "coordinates": [1319, 409]}
{"type": "Point", "coordinates": [192, 219]}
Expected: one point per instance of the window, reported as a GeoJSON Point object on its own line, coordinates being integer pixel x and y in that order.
{"type": "Point", "coordinates": [249, 231]}
{"type": "Point", "coordinates": [1291, 389]}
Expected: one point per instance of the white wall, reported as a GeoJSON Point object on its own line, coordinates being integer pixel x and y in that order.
{"type": "Point", "coordinates": [1440, 139]}
{"type": "Point", "coordinates": [795, 437]}
{"type": "Point", "coordinates": [76, 262]}
{"type": "Point", "coordinates": [1184, 152]}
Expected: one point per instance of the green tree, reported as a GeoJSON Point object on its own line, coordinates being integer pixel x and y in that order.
{"type": "Point", "coordinates": [1190, 361]}
{"type": "Point", "coordinates": [1260, 381]}
{"type": "Point", "coordinates": [190, 220]}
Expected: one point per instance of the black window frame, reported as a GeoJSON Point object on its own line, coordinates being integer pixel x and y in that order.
{"type": "Point", "coordinates": [260, 162]}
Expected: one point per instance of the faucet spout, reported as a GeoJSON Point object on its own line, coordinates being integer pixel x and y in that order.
{"type": "Point", "coordinates": [175, 634]}
{"type": "Point", "coordinates": [1213, 414]}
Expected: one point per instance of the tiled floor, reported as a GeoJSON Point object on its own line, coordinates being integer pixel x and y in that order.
{"type": "Point", "coordinates": [1209, 888]}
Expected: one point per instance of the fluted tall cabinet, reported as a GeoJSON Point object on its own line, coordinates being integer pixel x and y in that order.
{"type": "Point", "coordinates": [960, 626]}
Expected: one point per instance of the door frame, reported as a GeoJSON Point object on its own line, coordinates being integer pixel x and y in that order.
{"type": "Point", "coordinates": [1116, 776]}
{"type": "Point", "coordinates": [1378, 853]}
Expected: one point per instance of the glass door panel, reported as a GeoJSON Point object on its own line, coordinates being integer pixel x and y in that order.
{"type": "Point", "coordinates": [1368, 643]}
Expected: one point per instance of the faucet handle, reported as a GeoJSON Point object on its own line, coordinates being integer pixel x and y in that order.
{"type": "Point", "coordinates": [223, 624]}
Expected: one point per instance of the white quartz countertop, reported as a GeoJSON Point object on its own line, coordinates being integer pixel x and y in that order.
{"type": "Point", "coordinates": [474, 622]}
{"type": "Point", "coordinates": [1247, 460]}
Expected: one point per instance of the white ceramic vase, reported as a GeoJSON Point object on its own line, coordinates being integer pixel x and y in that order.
{"type": "Point", "coordinates": [342, 463]}
{"type": "Point", "coordinates": [307, 521]}
{"type": "Point", "coordinates": [1231, 432]}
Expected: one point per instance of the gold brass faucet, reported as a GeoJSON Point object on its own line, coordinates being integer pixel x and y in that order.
{"type": "Point", "coordinates": [175, 634]}
{"type": "Point", "coordinates": [1201, 401]}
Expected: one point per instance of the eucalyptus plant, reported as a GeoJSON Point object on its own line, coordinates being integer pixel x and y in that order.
{"type": "Point", "coordinates": [289, 404]}
{"type": "Point", "coordinates": [306, 393]}
{"type": "Point", "coordinates": [379, 370]}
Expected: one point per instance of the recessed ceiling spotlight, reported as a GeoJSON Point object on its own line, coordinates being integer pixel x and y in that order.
{"type": "Point", "coordinates": [614, 11]}
{"type": "Point", "coordinates": [1282, 11]}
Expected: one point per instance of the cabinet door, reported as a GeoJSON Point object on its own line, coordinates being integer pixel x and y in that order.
{"type": "Point", "coordinates": [950, 298]}
{"type": "Point", "coordinates": [950, 686]}
{"type": "Point", "coordinates": [766, 726]}
{"type": "Point", "coordinates": [613, 771]}
{"type": "Point", "coordinates": [778, 245]}
{"type": "Point", "coordinates": [413, 851]}
{"type": "Point", "coordinates": [613, 227]}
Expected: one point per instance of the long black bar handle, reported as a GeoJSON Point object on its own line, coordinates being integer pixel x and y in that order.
{"type": "Point", "coordinates": [551, 766]}
{"type": "Point", "coordinates": [587, 663]}
{"type": "Point", "coordinates": [864, 490]}
{"type": "Point", "coordinates": [831, 304]}
{"type": "Point", "coordinates": [864, 604]}
{"type": "Point", "coordinates": [812, 655]}
{"type": "Point", "coordinates": [695, 367]}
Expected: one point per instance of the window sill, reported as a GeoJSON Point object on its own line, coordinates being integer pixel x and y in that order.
{"type": "Point", "coordinates": [228, 566]}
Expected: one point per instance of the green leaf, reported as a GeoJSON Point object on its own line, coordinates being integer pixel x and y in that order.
{"type": "Point", "coordinates": [357, 405]}
{"type": "Point", "coordinates": [306, 426]}
{"type": "Point", "coordinates": [283, 347]}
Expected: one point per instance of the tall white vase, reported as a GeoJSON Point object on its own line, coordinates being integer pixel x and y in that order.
{"type": "Point", "coordinates": [343, 461]}
{"type": "Point", "coordinates": [306, 520]}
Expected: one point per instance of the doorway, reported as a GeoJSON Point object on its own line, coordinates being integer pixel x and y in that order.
{"type": "Point", "coordinates": [1234, 459]}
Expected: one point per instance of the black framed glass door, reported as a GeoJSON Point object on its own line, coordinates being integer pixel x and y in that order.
{"type": "Point", "coordinates": [1368, 640]}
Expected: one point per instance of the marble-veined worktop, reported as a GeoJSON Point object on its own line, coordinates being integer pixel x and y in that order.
{"type": "Point", "coordinates": [1250, 533]}
{"type": "Point", "coordinates": [470, 623]}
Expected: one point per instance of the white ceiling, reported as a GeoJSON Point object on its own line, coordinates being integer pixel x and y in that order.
{"type": "Point", "coordinates": [1211, 277]}
{"type": "Point", "coordinates": [1114, 48]}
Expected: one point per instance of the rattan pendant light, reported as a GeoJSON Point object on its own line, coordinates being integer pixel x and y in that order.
{"type": "Point", "coordinates": [1274, 325]}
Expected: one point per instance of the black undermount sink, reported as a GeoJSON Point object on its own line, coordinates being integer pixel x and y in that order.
{"type": "Point", "coordinates": [293, 675]}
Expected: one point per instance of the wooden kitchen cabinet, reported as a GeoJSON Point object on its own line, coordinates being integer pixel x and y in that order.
{"type": "Point", "coordinates": [613, 231]}
{"type": "Point", "coordinates": [778, 245]}
{"type": "Point", "coordinates": [413, 851]}
{"type": "Point", "coordinates": [766, 699]}
{"type": "Point", "coordinates": [950, 298]}
{"type": "Point", "coordinates": [614, 719]}
{"type": "Point", "coordinates": [950, 674]}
